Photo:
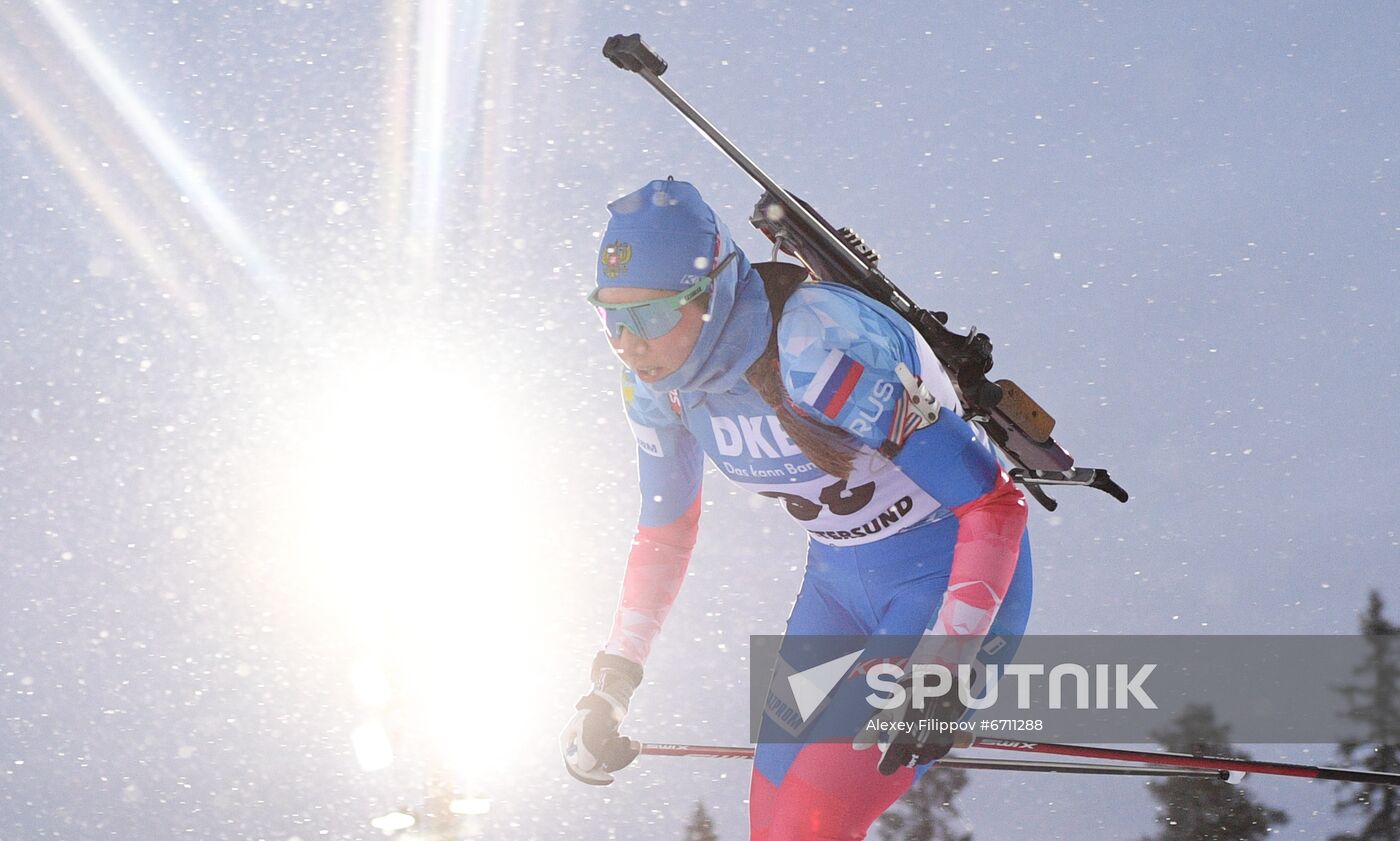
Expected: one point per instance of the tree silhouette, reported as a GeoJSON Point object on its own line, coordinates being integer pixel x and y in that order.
{"type": "Point", "coordinates": [1206, 810]}
{"type": "Point", "coordinates": [700, 828]}
{"type": "Point", "coordinates": [1374, 702]}
{"type": "Point", "coordinates": [925, 812]}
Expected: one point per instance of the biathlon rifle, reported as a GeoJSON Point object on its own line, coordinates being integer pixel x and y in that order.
{"type": "Point", "coordinates": [1015, 422]}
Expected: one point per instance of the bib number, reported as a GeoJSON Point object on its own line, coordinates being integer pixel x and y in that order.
{"type": "Point", "coordinates": [837, 498]}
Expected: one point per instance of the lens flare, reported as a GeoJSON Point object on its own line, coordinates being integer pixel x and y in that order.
{"type": "Point", "coordinates": [411, 513]}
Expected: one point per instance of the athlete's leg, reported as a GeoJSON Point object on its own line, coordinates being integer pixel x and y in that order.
{"type": "Point", "coordinates": [816, 611]}
{"type": "Point", "coordinates": [831, 792]}
{"type": "Point", "coordinates": [822, 791]}
{"type": "Point", "coordinates": [913, 606]}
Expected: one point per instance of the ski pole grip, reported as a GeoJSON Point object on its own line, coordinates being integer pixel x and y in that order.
{"type": "Point", "coordinates": [630, 53]}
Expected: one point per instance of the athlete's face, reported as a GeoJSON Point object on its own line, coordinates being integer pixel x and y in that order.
{"type": "Point", "coordinates": [653, 359]}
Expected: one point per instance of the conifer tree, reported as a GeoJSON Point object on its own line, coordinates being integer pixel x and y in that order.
{"type": "Point", "coordinates": [1373, 702]}
{"type": "Point", "coordinates": [700, 828]}
{"type": "Point", "coordinates": [1206, 810]}
{"type": "Point", "coordinates": [926, 812]}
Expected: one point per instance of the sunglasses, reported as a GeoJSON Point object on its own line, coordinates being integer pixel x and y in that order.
{"type": "Point", "coordinates": [655, 318]}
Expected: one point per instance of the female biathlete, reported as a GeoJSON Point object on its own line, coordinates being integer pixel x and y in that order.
{"type": "Point", "coordinates": [820, 397]}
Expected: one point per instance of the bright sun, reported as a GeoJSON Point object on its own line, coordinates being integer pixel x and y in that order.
{"type": "Point", "coordinates": [410, 510]}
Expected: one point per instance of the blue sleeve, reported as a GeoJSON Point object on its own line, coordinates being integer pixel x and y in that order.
{"type": "Point", "coordinates": [839, 354]}
{"type": "Point", "coordinates": [670, 463]}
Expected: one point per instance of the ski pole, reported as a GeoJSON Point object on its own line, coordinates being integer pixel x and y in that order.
{"type": "Point", "coordinates": [1186, 760]}
{"type": "Point", "coordinates": [973, 763]}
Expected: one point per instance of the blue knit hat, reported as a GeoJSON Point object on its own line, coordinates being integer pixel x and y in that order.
{"type": "Point", "coordinates": [658, 236]}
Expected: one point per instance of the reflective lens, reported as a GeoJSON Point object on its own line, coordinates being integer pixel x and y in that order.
{"type": "Point", "coordinates": [648, 320]}
{"type": "Point", "coordinates": [655, 318]}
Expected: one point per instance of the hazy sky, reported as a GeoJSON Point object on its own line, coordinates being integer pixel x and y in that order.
{"type": "Point", "coordinates": [306, 426]}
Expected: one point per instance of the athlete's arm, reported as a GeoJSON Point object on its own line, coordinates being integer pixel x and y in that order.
{"type": "Point", "coordinates": [670, 466]}
{"type": "Point", "coordinates": [839, 355]}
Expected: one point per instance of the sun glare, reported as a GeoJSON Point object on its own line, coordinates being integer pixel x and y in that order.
{"type": "Point", "coordinates": [411, 510]}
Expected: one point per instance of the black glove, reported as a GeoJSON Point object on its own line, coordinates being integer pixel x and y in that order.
{"type": "Point", "coordinates": [927, 743]}
{"type": "Point", "coordinates": [592, 746]}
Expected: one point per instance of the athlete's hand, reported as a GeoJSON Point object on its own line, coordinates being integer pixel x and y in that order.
{"type": "Point", "coordinates": [592, 746]}
{"type": "Point", "coordinates": [908, 750]}
{"type": "Point", "coordinates": [909, 736]}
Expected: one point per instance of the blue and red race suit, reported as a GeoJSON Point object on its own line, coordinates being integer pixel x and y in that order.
{"type": "Point", "coordinates": [926, 536]}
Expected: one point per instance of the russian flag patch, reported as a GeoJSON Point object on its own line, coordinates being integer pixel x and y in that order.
{"type": "Point", "coordinates": [833, 384]}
